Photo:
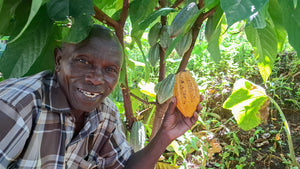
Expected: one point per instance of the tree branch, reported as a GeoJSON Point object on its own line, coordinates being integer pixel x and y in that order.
{"type": "Point", "coordinates": [141, 100]}
{"type": "Point", "coordinates": [124, 13]}
{"type": "Point", "coordinates": [177, 3]}
{"type": "Point", "coordinates": [102, 17]}
{"type": "Point", "coordinates": [195, 31]}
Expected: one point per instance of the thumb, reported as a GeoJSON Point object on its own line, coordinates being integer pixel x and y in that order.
{"type": "Point", "coordinates": [172, 105]}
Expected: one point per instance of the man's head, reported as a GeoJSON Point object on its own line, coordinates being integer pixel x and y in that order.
{"type": "Point", "coordinates": [89, 71]}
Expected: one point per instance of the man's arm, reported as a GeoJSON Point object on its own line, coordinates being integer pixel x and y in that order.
{"type": "Point", "coordinates": [173, 126]}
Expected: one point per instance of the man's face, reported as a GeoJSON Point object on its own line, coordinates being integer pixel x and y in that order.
{"type": "Point", "coordinates": [88, 72]}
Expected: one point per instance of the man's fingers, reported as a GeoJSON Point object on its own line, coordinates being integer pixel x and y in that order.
{"type": "Point", "coordinates": [172, 105]}
{"type": "Point", "coordinates": [199, 108]}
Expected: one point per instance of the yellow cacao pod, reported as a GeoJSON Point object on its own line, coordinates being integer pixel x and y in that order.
{"type": "Point", "coordinates": [186, 92]}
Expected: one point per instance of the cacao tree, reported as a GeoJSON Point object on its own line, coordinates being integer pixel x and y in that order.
{"type": "Point", "coordinates": [36, 27]}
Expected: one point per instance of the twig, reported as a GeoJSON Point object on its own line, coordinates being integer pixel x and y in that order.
{"type": "Point", "coordinates": [101, 16]}
{"type": "Point", "coordinates": [177, 3]}
{"type": "Point", "coordinates": [141, 100]}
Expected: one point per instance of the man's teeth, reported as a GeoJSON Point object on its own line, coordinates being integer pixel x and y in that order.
{"type": "Point", "coordinates": [89, 94]}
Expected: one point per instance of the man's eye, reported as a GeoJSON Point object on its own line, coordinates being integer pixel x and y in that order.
{"type": "Point", "coordinates": [111, 69]}
{"type": "Point", "coordinates": [83, 61]}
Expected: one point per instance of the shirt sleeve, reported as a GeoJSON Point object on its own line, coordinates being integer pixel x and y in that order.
{"type": "Point", "coordinates": [116, 151]}
{"type": "Point", "coordinates": [13, 134]}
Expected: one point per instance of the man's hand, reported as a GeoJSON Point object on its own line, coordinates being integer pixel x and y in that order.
{"type": "Point", "coordinates": [174, 123]}
{"type": "Point", "coordinates": [173, 126]}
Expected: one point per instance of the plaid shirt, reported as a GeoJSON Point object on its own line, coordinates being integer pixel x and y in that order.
{"type": "Point", "coordinates": [36, 129]}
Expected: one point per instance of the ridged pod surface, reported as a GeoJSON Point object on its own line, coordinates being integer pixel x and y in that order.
{"type": "Point", "coordinates": [154, 33]}
{"type": "Point", "coordinates": [137, 136]}
{"type": "Point", "coordinates": [164, 89]}
{"type": "Point", "coordinates": [186, 92]}
{"type": "Point", "coordinates": [164, 37]}
{"type": "Point", "coordinates": [154, 54]}
{"type": "Point", "coordinates": [184, 44]}
{"type": "Point", "coordinates": [184, 19]}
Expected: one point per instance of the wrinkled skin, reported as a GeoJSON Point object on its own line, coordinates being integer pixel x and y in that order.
{"type": "Point", "coordinates": [89, 71]}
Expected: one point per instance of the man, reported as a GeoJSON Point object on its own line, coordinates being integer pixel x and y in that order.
{"type": "Point", "coordinates": [65, 120]}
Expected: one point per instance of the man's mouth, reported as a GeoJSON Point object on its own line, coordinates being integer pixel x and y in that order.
{"type": "Point", "coordinates": [90, 94]}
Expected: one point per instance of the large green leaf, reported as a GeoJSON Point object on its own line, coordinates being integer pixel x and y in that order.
{"type": "Point", "coordinates": [153, 16]}
{"type": "Point", "coordinates": [139, 10]}
{"type": "Point", "coordinates": [291, 22]}
{"type": "Point", "coordinates": [264, 41]}
{"type": "Point", "coordinates": [259, 20]}
{"type": "Point", "coordinates": [109, 7]}
{"type": "Point", "coordinates": [7, 12]}
{"type": "Point", "coordinates": [45, 61]}
{"type": "Point", "coordinates": [21, 54]}
{"type": "Point", "coordinates": [245, 103]}
{"type": "Point", "coordinates": [276, 14]}
{"type": "Point", "coordinates": [35, 6]}
{"type": "Point", "coordinates": [147, 66]}
{"type": "Point", "coordinates": [237, 10]}
{"type": "Point", "coordinates": [19, 19]}
{"type": "Point", "coordinates": [58, 9]}
{"type": "Point", "coordinates": [80, 12]}
{"type": "Point", "coordinates": [210, 4]}
{"type": "Point", "coordinates": [213, 37]}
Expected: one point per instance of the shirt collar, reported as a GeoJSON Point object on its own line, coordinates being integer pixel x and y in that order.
{"type": "Point", "coordinates": [55, 99]}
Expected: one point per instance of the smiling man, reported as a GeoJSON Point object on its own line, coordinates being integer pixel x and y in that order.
{"type": "Point", "coordinates": [65, 120]}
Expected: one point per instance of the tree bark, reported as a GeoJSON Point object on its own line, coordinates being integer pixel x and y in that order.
{"type": "Point", "coordinates": [160, 108]}
{"type": "Point", "coordinates": [119, 28]}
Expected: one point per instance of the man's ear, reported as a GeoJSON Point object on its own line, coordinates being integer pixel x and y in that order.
{"type": "Point", "coordinates": [58, 57]}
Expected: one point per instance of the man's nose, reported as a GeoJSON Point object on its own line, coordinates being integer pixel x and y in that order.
{"type": "Point", "coordinates": [95, 77]}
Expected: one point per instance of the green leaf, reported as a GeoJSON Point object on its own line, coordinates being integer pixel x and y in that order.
{"type": "Point", "coordinates": [245, 102]}
{"type": "Point", "coordinates": [259, 20]}
{"type": "Point", "coordinates": [7, 12]}
{"type": "Point", "coordinates": [108, 6]}
{"type": "Point", "coordinates": [140, 9]}
{"type": "Point", "coordinates": [152, 17]}
{"type": "Point", "coordinates": [147, 66]}
{"type": "Point", "coordinates": [210, 4]}
{"type": "Point", "coordinates": [80, 29]}
{"type": "Point", "coordinates": [58, 10]}
{"type": "Point", "coordinates": [1, 4]}
{"type": "Point", "coordinates": [164, 89]}
{"type": "Point", "coordinates": [264, 41]}
{"type": "Point", "coordinates": [21, 54]}
{"type": "Point", "coordinates": [82, 22]}
{"type": "Point", "coordinates": [277, 17]}
{"type": "Point", "coordinates": [295, 3]}
{"type": "Point", "coordinates": [35, 6]}
{"type": "Point", "coordinates": [213, 41]}
{"type": "Point", "coordinates": [237, 10]}
{"type": "Point", "coordinates": [291, 20]}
